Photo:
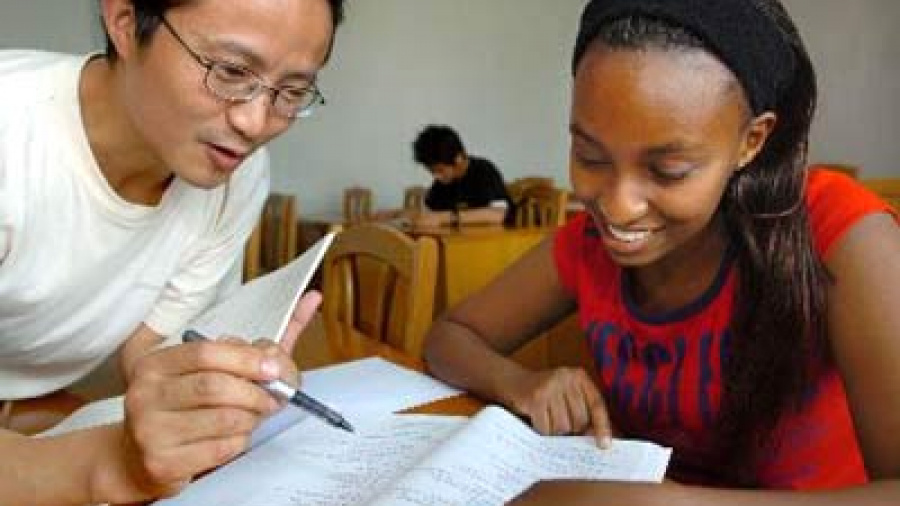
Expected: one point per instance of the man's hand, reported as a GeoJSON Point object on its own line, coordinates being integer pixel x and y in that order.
{"type": "Point", "coordinates": [192, 407]}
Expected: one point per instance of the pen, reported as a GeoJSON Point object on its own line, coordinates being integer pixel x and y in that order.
{"type": "Point", "coordinates": [282, 390]}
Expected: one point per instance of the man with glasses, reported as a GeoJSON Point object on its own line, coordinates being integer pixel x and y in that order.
{"type": "Point", "coordinates": [129, 182]}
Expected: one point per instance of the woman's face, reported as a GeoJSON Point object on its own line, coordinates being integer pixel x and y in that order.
{"type": "Point", "coordinates": [656, 135]}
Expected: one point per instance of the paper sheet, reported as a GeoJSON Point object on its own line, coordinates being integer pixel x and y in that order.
{"type": "Point", "coordinates": [262, 307]}
{"type": "Point", "coordinates": [407, 460]}
{"type": "Point", "coordinates": [359, 390]}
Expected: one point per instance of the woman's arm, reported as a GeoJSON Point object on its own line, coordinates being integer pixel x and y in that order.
{"type": "Point", "coordinates": [864, 331]}
{"type": "Point", "coordinates": [468, 347]}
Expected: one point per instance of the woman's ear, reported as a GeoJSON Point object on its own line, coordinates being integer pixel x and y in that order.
{"type": "Point", "coordinates": [755, 136]}
{"type": "Point", "coordinates": [119, 21]}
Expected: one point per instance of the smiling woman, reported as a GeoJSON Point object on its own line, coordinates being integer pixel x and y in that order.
{"type": "Point", "coordinates": [729, 297]}
{"type": "Point", "coordinates": [151, 158]}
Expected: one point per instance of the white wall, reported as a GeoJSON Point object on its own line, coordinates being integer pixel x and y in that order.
{"type": "Point", "coordinates": [498, 70]}
{"type": "Point", "coordinates": [495, 70]}
{"type": "Point", "coordinates": [856, 51]}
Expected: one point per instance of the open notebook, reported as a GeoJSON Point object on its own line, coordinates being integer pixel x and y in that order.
{"type": "Point", "coordinates": [406, 460]}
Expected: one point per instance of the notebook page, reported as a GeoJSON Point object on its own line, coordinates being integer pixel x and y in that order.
{"type": "Point", "coordinates": [496, 457]}
{"type": "Point", "coordinates": [263, 307]}
{"type": "Point", "coordinates": [317, 465]}
{"type": "Point", "coordinates": [359, 390]}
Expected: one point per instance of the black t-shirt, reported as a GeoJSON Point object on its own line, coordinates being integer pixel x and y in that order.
{"type": "Point", "coordinates": [479, 186]}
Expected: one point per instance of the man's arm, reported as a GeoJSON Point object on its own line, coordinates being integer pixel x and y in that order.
{"type": "Point", "coordinates": [32, 471]}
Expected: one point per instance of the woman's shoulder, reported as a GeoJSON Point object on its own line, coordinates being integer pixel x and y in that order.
{"type": "Point", "coordinates": [835, 202]}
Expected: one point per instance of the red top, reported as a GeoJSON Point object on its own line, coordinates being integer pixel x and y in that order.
{"type": "Point", "coordinates": [660, 373]}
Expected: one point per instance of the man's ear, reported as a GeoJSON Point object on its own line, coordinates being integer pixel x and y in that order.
{"type": "Point", "coordinates": [121, 25]}
{"type": "Point", "coordinates": [755, 136]}
{"type": "Point", "coordinates": [461, 161]}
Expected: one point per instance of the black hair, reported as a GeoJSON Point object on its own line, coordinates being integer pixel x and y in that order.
{"type": "Point", "coordinates": [148, 15]}
{"type": "Point", "coordinates": [779, 325]}
{"type": "Point", "coordinates": [437, 144]}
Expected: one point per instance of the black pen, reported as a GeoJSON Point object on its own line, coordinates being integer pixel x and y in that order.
{"type": "Point", "coordinates": [282, 390]}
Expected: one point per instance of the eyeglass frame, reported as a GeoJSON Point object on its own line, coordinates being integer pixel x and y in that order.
{"type": "Point", "coordinates": [259, 85]}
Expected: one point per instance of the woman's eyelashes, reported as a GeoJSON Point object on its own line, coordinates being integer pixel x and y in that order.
{"type": "Point", "coordinates": [659, 172]}
{"type": "Point", "coordinates": [670, 174]}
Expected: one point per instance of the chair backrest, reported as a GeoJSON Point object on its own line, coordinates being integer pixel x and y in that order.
{"type": "Point", "coordinates": [357, 205]}
{"type": "Point", "coordinates": [517, 188]}
{"type": "Point", "coordinates": [380, 282]}
{"type": "Point", "coordinates": [414, 198]}
{"type": "Point", "coordinates": [273, 242]}
{"type": "Point", "coordinates": [541, 206]}
{"type": "Point", "coordinates": [887, 188]}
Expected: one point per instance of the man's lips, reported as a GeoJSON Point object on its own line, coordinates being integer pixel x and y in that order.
{"type": "Point", "coordinates": [226, 158]}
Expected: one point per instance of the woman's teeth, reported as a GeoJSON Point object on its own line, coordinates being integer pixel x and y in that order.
{"type": "Point", "coordinates": [628, 236]}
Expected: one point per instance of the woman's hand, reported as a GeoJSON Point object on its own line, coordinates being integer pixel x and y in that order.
{"type": "Point", "coordinates": [563, 401]}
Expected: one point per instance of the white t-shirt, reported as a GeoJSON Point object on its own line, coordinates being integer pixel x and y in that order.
{"type": "Point", "coordinates": [81, 268]}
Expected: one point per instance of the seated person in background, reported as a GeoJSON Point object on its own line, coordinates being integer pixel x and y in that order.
{"type": "Point", "coordinates": [466, 189]}
{"type": "Point", "coordinates": [738, 308]}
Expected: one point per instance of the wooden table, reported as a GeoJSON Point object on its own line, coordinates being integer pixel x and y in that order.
{"type": "Point", "coordinates": [316, 349]}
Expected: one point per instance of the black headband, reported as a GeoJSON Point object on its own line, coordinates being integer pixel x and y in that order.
{"type": "Point", "coordinates": [747, 40]}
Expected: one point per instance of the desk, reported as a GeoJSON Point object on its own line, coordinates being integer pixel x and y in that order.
{"type": "Point", "coordinates": [316, 349]}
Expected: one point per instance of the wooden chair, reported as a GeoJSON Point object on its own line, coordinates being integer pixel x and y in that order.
{"type": "Point", "coordinates": [541, 206]}
{"type": "Point", "coordinates": [850, 170]}
{"type": "Point", "coordinates": [887, 188]}
{"type": "Point", "coordinates": [414, 198]}
{"type": "Point", "coordinates": [273, 242]}
{"type": "Point", "coordinates": [357, 205]}
{"type": "Point", "coordinates": [381, 283]}
{"type": "Point", "coordinates": [518, 187]}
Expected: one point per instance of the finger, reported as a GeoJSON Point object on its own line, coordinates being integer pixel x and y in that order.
{"type": "Point", "coordinates": [559, 417]}
{"type": "Point", "coordinates": [300, 317]}
{"type": "Point", "coordinates": [174, 429]}
{"type": "Point", "coordinates": [540, 421]}
{"type": "Point", "coordinates": [237, 359]}
{"type": "Point", "coordinates": [179, 464]}
{"type": "Point", "coordinates": [231, 339]}
{"type": "Point", "coordinates": [599, 416]}
{"type": "Point", "coordinates": [212, 390]}
{"type": "Point", "coordinates": [288, 368]}
{"type": "Point", "coordinates": [579, 409]}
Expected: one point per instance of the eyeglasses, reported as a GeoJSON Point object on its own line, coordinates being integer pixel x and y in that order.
{"type": "Point", "coordinates": [235, 83]}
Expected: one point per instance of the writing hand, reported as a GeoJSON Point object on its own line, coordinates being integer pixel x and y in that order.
{"type": "Point", "coordinates": [192, 407]}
